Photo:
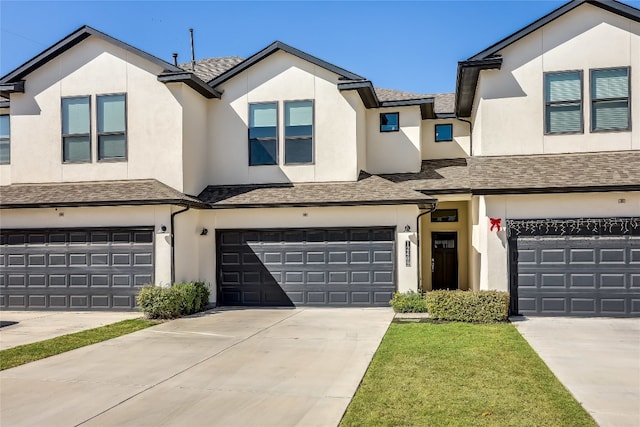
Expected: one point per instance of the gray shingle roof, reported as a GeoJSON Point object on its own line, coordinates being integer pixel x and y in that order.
{"type": "Point", "coordinates": [368, 190]}
{"type": "Point", "coordinates": [435, 176]}
{"type": "Point", "coordinates": [443, 102]}
{"type": "Point", "coordinates": [560, 172]}
{"type": "Point", "coordinates": [100, 193]}
{"type": "Point", "coordinates": [210, 68]}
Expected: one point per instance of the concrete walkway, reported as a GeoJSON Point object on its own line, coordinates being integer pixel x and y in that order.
{"type": "Point", "coordinates": [24, 327]}
{"type": "Point", "coordinates": [597, 360]}
{"type": "Point", "coordinates": [261, 367]}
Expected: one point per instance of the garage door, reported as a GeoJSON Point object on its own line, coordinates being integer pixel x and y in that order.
{"type": "Point", "coordinates": [584, 274]}
{"type": "Point", "coordinates": [74, 269]}
{"type": "Point", "coordinates": [338, 267]}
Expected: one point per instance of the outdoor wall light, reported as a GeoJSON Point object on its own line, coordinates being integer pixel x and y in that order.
{"type": "Point", "coordinates": [204, 232]}
{"type": "Point", "coordinates": [407, 228]}
{"type": "Point", "coordinates": [163, 228]}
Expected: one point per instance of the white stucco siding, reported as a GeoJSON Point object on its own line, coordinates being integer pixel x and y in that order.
{"type": "Point", "coordinates": [492, 245]}
{"type": "Point", "coordinates": [511, 100]}
{"type": "Point", "coordinates": [95, 67]}
{"type": "Point", "coordinates": [278, 78]}
{"type": "Point", "coordinates": [458, 147]}
{"type": "Point", "coordinates": [392, 152]}
{"type": "Point", "coordinates": [313, 217]}
{"type": "Point", "coordinates": [195, 140]}
{"type": "Point", "coordinates": [91, 217]}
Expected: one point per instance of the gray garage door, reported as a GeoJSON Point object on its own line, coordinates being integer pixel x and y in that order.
{"type": "Point", "coordinates": [576, 275]}
{"type": "Point", "coordinates": [338, 267]}
{"type": "Point", "coordinates": [74, 268]}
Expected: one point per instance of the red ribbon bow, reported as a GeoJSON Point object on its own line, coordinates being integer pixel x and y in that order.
{"type": "Point", "coordinates": [495, 222]}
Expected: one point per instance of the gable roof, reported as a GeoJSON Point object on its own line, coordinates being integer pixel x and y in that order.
{"type": "Point", "coordinates": [273, 48]}
{"type": "Point", "coordinates": [13, 81]}
{"type": "Point", "coordinates": [468, 71]}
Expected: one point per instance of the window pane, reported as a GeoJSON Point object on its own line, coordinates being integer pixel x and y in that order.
{"type": "Point", "coordinates": [262, 152]}
{"type": "Point", "coordinates": [609, 115]}
{"type": "Point", "coordinates": [389, 122]}
{"type": "Point", "coordinates": [111, 115]}
{"type": "Point", "coordinates": [564, 118]}
{"type": "Point", "coordinates": [298, 151]}
{"type": "Point", "coordinates": [112, 147]}
{"type": "Point", "coordinates": [5, 151]}
{"type": "Point", "coordinates": [610, 83]}
{"type": "Point", "coordinates": [444, 132]}
{"type": "Point", "coordinates": [263, 115]}
{"type": "Point", "coordinates": [293, 131]}
{"type": "Point", "coordinates": [563, 87]}
{"type": "Point", "coordinates": [77, 149]}
{"type": "Point", "coordinates": [262, 132]}
{"type": "Point", "coordinates": [4, 126]}
{"type": "Point", "coordinates": [298, 113]}
{"type": "Point", "coordinates": [75, 115]}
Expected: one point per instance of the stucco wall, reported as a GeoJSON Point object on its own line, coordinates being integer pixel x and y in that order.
{"type": "Point", "coordinates": [458, 147]}
{"type": "Point", "coordinates": [129, 216]}
{"type": "Point", "coordinates": [390, 216]}
{"type": "Point", "coordinates": [510, 116]}
{"type": "Point", "coordinates": [492, 245]}
{"type": "Point", "coordinates": [278, 78]}
{"type": "Point", "coordinates": [93, 67]}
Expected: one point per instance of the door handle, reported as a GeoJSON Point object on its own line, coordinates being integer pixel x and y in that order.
{"type": "Point", "coordinates": [433, 265]}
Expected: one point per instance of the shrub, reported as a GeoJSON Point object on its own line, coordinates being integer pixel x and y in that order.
{"type": "Point", "coordinates": [468, 306]}
{"type": "Point", "coordinates": [408, 302]}
{"type": "Point", "coordinates": [176, 301]}
{"type": "Point", "coordinates": [160, 303]}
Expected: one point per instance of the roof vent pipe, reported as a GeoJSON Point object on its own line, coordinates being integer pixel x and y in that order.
{"type": "Point", "coordinates": [193, 53]}
{"type": "Point", "coordinates": [175, 58]}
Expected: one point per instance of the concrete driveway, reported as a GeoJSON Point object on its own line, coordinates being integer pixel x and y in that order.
{"type": "Point", "coordinates": [259, 367]}
{"type": "Point", "coordinates": [597, 360]}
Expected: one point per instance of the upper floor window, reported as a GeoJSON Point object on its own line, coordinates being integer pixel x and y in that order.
{"type": "Point", "coordinates": [563, 102]}
{"type": "Point", "coordinates": [444, 132]}
{"type": "Point", "coordinates": [5, 140]}
{"type": "Point", "coordinates": [389, 122]}
{"type": "Point", "coordinates": [263, 134]}
{"type": "Point", "coordinates": [76, 133]}
{"type": "Point", "coordinates": [298, 132]}
{"type": "Point", "coordinates": [610, 99]}
{"type": "Point", "coordinates": [112, 127]}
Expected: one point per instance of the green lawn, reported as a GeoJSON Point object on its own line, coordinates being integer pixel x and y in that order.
{"type": "Point", "coordinates": [458, 374]}
{"type": "Point", "coordinates": [39, 350]}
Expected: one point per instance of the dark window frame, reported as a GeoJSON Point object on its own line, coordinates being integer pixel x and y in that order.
{"type": "Point", "coordinates": [548, 104]}
{"type": "Point", "coordinates": [124, 133]}
{"type": "Point", "coordinates": [435, 132]}
{"type": "Point", "coordinates": [276, 138]}
{"type": "Point", "coordinates": [299, 137]}
{"type": "Point", "coordinates": [7, 140]}
{"type": "Point", "coordinates": [594, 101]}
{"type": "Point", "coordinates": [397, 114]}
{"type": "Point", "coordinates": [75, 135]}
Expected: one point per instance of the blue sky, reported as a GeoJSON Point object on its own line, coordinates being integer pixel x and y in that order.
{"type": "Point", "coordinates": [412, 46]}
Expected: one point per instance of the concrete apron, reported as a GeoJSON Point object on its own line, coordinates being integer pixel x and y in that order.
{"type": "Point", "coordinates": [596, 359]}
{"type": "Point", "coordinates": [24, 327]}
{"type": "Point", "coordinates": [260, 367]}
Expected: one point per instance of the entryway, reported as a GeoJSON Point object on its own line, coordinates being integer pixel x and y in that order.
{"type": "Point", "coordinates": [444, 261]}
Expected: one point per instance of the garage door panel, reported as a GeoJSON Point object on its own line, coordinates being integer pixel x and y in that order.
{"type": "Point", "coordinates": [577, 275]}
{"type": "Point", "coordinates": [308, 266]}
{"type": "Point", "coordinates": [75, 269]}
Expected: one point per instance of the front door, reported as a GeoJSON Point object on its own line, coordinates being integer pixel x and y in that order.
{"type": "Point", "coordinates": [444, 261]}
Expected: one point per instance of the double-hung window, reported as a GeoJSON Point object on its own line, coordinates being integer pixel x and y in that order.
{"type": "Point", "coordinates": [76, 129]}
{"type": "Point", "coordinates": [298, 132]}
{"type": "Point", "coordinates": [610, 99]}
{"type": "Point", "coordinates": [112, 127]}
{"type": "Point", "coordinates": [563, 102]}
{"type": "Point", "coordinates": [263, 134]}
{"type": "Point", "coordinates": [5, 140]}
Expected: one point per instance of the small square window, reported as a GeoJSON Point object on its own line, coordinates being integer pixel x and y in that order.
{"type": "Point", "coordinates": [444, 132]}
{"type": "Point", "coordinates": [389, 122]}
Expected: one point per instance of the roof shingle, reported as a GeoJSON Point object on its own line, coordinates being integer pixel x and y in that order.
{"type": "Point", "coordinates": [435, 176]}
{"type": "Point", "coordinates": [210, 68]}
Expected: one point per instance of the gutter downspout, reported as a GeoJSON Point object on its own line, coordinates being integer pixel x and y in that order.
{"type": "Point", "coordinates": [470, 134]}
{"type": "Point", "coordinates": [173, 245]}
{"type": "Point", "coordinates": [433, 208]}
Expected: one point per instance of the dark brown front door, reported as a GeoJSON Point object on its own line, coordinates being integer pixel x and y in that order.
{"type": "Point", "coordinates": [444, 262]}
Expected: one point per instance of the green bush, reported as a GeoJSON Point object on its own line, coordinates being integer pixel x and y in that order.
{"type": "Point", "coordinates": [408, 302]}
{"type": "Point", "coordinates": [468, 306]}
{"type": "Point", "coordinates": [176, 301]}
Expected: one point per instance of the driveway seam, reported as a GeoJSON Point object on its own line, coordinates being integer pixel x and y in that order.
{"type": "Point", "coordinates": [295, 312]}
